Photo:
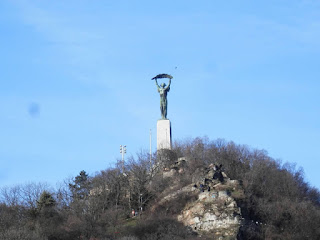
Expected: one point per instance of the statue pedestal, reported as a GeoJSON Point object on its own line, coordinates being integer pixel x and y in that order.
{"type": "Point", "coordinates": [163, 134]}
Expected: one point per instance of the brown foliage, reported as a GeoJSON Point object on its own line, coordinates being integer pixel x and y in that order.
{"type": "Point", "coordinates": [276, 201]}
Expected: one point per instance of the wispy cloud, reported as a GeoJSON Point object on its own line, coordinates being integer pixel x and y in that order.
{"type": "Point", "coordinates": [96, 49]}
{"type": "Point", "coordinates": [78, 48]}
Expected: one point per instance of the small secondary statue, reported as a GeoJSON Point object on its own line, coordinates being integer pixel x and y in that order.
{"type": "Point", "coordinates": [163, 125]}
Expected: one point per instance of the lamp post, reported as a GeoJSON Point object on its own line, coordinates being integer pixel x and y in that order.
{"type": "Point", "coordinates": [150, 152]}
{"type": "Point", "coordinates": [123, 150]}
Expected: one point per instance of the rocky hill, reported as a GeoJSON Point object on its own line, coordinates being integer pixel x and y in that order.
{"type": "Point", "coordinates": [199, 190]}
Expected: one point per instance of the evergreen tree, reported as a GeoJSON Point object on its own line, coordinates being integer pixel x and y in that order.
{"type": "Point", "coordinates": [46, 200]}
{"type": "Point", "coordinates": [81, 187]}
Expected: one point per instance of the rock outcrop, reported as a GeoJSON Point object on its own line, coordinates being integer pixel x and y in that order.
{"type": "Point", "coordinates": [213, 211]}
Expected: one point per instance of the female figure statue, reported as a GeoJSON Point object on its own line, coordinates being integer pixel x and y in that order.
{"type": "Point", "coordinates": [163, 89]}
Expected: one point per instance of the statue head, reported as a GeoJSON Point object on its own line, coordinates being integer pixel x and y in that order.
{"type": "Point", "coordinates": [163, 85]}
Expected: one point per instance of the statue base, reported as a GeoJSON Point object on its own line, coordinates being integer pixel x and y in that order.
{"type": "Point", "coordinates": [163, 134]}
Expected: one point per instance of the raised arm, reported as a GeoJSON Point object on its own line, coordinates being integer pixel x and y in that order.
{"type": "Point", "coordinates": [157, 83]}
{"type": "Point", "coordinates": [168, 87]}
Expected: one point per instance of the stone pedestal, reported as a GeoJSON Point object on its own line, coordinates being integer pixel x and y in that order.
{"type": "Point", "coordinates": [163, 134]}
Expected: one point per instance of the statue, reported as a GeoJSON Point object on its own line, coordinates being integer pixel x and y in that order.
{"type": "Point", "coordinates": [163, 89]}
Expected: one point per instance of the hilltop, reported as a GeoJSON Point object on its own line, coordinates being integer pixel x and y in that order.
{"type": "Point", "coordinates": [200, 188]}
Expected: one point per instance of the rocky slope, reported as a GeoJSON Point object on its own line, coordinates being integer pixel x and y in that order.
{"type": "Point", "coordinates": [213, 209]}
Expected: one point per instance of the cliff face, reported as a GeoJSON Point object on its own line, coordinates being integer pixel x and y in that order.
{"type": "Point", "coordinates": [212, 210]}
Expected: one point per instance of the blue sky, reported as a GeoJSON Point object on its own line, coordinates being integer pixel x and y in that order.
{"type": "Point", "coordinates": [75, 80]}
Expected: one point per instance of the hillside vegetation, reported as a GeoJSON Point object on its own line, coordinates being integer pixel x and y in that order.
{"type": "Point", "coordinates": [274, 199]}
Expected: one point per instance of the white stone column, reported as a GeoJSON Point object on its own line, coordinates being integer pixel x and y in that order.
{"type": "Point", "coordinates": [163, 134]}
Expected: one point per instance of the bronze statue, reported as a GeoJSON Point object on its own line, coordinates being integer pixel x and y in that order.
{"type": "Point", "coordinates": [163, 89]}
